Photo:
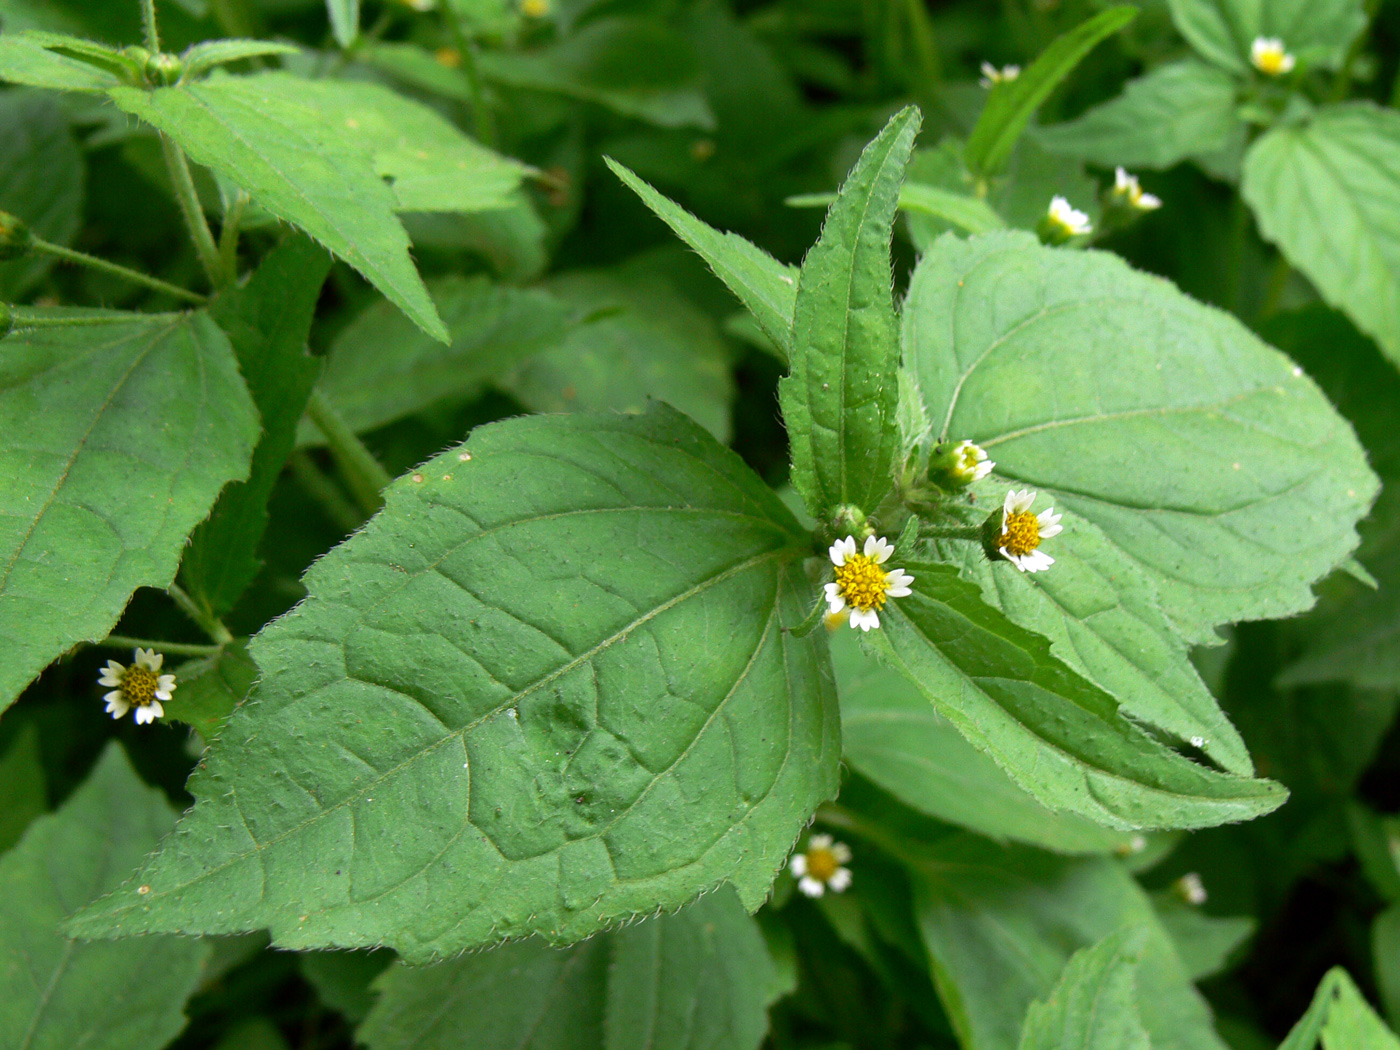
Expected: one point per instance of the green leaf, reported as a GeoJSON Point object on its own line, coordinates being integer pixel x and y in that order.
{"type": "Point", "coordinates": [24, 59]}
{"type": "Point", "coordinates": [1327, 193]}
{"type": "Point", "coordinates": [23, 794]}
{"type": "Point", "coordinates": [1341, 1018]}
{"type": "Point", "coordinates": [767, 287]}
{"type": "Point", "coordinates": [971, 214]}
{"type": "Point", "coordinates": [700, 978]}
{"type": "Point", "coordinates": [652, 342]}
{"type": "Point", "coordinates": [268, 135]}
{"type": "Point", "coordinates": [267, 322]}
{"type": "Point", "coordinates": [547, 756]}
{"type": "Point", "coordinates": [1001, 924]}
{"type": "Point", "coordinates": [1011, 103]}
{"type": "Point", "coordinates": [634, 66]}
{"type": "Point", "coordinates": [381, 368]}
{"type": "Point", "coordinates": [840, 399]}
{"type": "Point", "coordinates": [207, 690]}
{"type": "Point", "coordinates": [1175, 112]}
{"type": "Point", "coordinates": [343, 979]}
{"type": "Point", "coordinates": [1205, 942]}
{"type": "Point", "coordinates": [1243, 488]}
{"type": "Point", "coordinates": [1385, 958]}
{"type": "Point", "coordinates": [1058, 736]}
{"type": "Point", "coordinates": [345, 20]}
{"type": "Point", "coordinates": [54, 993]}
{"type": "Point", "coordinates": [1315, 31]}
{"type": "Point", "coordinates": [124, 435]}
{"type": "Point", "coordinates": [1093, 1005]}
{"type": "Point", "coordinates": [42, 180]}
{"type": "Point", "coordinates": [891, 734]}
{"type": "Point", "coordinates": [202, 57]}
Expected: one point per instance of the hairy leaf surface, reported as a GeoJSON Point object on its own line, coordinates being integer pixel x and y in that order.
{"type": "Point", "coordinates": [1093, 1005]}
{"type": "Point", "coordinates": [489, 718]}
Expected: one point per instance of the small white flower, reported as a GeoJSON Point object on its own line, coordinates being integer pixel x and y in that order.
{"type": "Point", "coordinates": [1067, 219]}
{"type": "Point", "coordinates": [991, 75]}
{"type": "Point", "coordinates": [819, 867]}
{"type": "Point", "coordinates": [141, 686]}
{"type": "Point", "coordinates": [1270, 57]}
{"type": "Point", "coordinates": [861, 586]}
{"type": "Point", "coordinates": [1022, 531]}
{"type": "Point", "coordinates": [1191, 889]}
{"type": "Point", "coordinates": [1126, 187]}
{"type": "Point", "coordinates": [964, 463]}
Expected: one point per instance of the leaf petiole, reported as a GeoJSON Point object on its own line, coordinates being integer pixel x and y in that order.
{"type": "Point", "coordinates": [122, 641]}
{"type": "Point", "coordinates": [188, 200]}
{"type": "Point", "coordinates": [366, 476]}
{"type": "Point", "coordinates": [78, 258]}
{"type": "Point", "coordinates": [208, 622]}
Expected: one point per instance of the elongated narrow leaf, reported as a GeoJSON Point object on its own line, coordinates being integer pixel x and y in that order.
{"type": "Point", "coordinates": [1058, 736]}
{"type": "Point", "coordinates": [204, 56]}
{"type": "Point", "coordinates": [267, 322]}
{"type": "Point", "coordinates": [767, 287]}
{"type": "Point", "coordinates": [122, 436]}
{"type": "Point", "coordinates": [1177, 111]}
{"type": "Point", "coordinates": [1328, 194]}
{"type": "Point", "coordinates": [1314, 31]}
{"type": "Point", "coordinates": [1093, 1005]}
{"type": "Point", "coordinates": [840, 399]}
{"type": "Point", "coordinates": [970, 214]}
{"type": "Point", "coordinates": [345, 20]}
{"type": "Point", "coordinates": [24, 59]}
{"type": "Point", "coordinates": [547, 755]}
{"type": "Point", "coordinates": [56, 994]}
{"type": "Point", "coordinates": [1011, 103]}
{"type": "Point", "coordinates": [700, 978]}
{"type": "Point", "coordinates": [1204, 479]}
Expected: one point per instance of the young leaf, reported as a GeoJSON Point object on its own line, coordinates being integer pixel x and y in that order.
{"type": "Point", "coordinates": [1341, 1018]}
{"type": "Point", "coordinates": [1175, 112]}
{"type": "Point", "coordinates": [26, 59]}
{"type": "Point", "coordinates": [267, 322]}
{"type": "Point", "coordinates": [1093, 1005]}
{"type": "Point", "coordinates": [1315, 31]}
{"type": "Point", "coordinates": [209, 689]}
{"type": "Point", "coordinates": [1011, 103]}
{"type": "Point", "coordinates": [547, 755]}
{"type": "Point", "coordinates": [970, 214]}
{"type": "Point", "coordinates": [129, 430]}
{"type": "Point", "coordinates": [1328, 193]}
{"type": "Point", "coordinates": [1057, 735]}
{"type": "Point", "coordinates": [345, 20]}
{"type": "Point", "coordinates": [1202, 473]}
{"type": "Point", "coordinates": [56, 993]}
{"type": "Point", "coordinates": [202, 57]}
{"type": "Point", "coordinates": [891, 734]}
{"type": "Point", "coordinates": [840, 399]}
{"type": "Point", "coordinates": [767, 287]}
{"type": "Point", "coordinates": [700, 978]}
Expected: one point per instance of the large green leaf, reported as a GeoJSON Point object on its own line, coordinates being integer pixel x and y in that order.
{"type": "Point", "coordinates": [767, 287]}
{"type": "Point", "coordinates": [1328, 194]}
{"type": "Point", "coordinates": [1177, 111]}
{"type": "Point", "coordinates": [1316, 31]}
{"type": "Point", "coordinates": [839, 399]}
{"type": "Point", "coordinates": [122, 435]}
{"type": "Point", "coordinates": [891, 734]}
{"type": "Point", "coordinates": [1059, 737]}
{"type": "Point", "coordinates": [700, 978]}
{"type": "Point", "coordinates": [56, 994]}
{"type": "Point", "coordinates": [25, 60]}
{"type": "Point", "coordinates": [1341, 1018]}
{"type": "Point", "coordinates": [1001, 924]}
{"type": "Point", "coordinates": [1199, 470]}
{"type": "Point", "coordinates": [547, 755]}
{"type": "Point", "coordinates": [41, 180]}
{"type": "Point", "coordinates": [1093, 1005]}
{"type": "Point", "coordinates": [23, 794]}
{"type": "Point", "coordinates": [267, 322]}
{"type": "Point", "coordinates": [1012, 102]}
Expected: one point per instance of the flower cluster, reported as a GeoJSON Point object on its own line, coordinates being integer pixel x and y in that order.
{"type": "Point", "coordinates": [861, 585]}
{"type": "Point", "coordinates": [1127, 190]}
{"type": "Point", "coordinates": [991, 75]}
{"type": "Point", "coordinates": [820, 866]}
{"type": "Point", "coordinates": [140, 686]}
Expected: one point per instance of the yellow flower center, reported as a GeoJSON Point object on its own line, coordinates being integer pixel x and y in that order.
{"type": "Point", "coordinates": [1021, 534]}
{"type": "Point", "coordinates": [1270, 62]}
{"type": "Point", "coordinates": [139, 685]}
{"type": "Point", "coordinates": [861, 582]}
{"type": "Point", "coordinates": [821, 863]}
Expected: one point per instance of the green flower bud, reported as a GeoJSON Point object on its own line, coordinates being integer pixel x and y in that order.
{"type": "Point", "coordinates": [958, 464]}
{"type": "Point", "coordinates": [849, 520]}
{"type": "Point", "coordinates": [163, 70]}
{"type": "Point", "coordinates": [15, 238]}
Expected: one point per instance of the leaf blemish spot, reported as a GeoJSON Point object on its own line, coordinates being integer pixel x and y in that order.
{"type": "Point", "coordinates": [464, 457]}
{"type": "Point", "coordinates": [418, 479]}
{"type": "Point", "coordinates": [143, 890]}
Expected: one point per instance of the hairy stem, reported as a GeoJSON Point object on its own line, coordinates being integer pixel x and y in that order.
{"type": "Point", "coordinates": [193, 212]}
{"type": "Point", "coordinates": [121, 641]}
{"type": "Point", "coordinates": [208, 622]}
{"type": "Point", "coordinates": [325, 492]}
{"type": "Point", "coordinates": [466, 49]}
{"type": "Point", "coordinates": [148, 24]}
{"type": "Point", "coordinates": [366, 476]}
{"type": "Point", "coordinates": [93, 262]}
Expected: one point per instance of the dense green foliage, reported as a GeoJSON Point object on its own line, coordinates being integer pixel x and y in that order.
{"type": "Point", "coordinates": [552, 467]}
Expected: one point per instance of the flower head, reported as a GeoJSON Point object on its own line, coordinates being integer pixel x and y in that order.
{"type": "Point", "coordinates": [962, 463]}
{"type": "Point", "coordinates": [819, 867]}
{"type": "Point", "coordinates": [1021, 532]}
{"type": "Point", "coordinates": [1270, 57]}
{"type": "Point", "coordinates": [1190, 888]}
{"type": "Point", "coordinates": [1126, 189]}
{"type": "Point", "coordinates": [991, 75]}
{"type": "Point", "coordinates": [861, 585]}
{"type": "Point", "coordinates": [1063, 221]}
{"type": "Point", "coordinates": [141, 686]}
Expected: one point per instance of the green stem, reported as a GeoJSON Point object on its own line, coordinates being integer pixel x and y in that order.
{"type": "Point", "coordinates": [949, 532]}
{"type": "Point", "coordinates": [24, 320]}
{"type": "Point", "coordinates": [366, 476]}
{"type": "Point", "coordinates": [208, 622]}
{"type": "Point", "coordinates": [325, 492]}
{"type": "Point", "coordinates": [193, 212]}
{"type": "Point", "coordinates": [93, 262]}
{"type": "Point", "coordinates": [1273, 292]}
{"type": "Point", "coordinates": [466, 49]}
{"type": "Point", "coordinates": [148, 23]}
{"type": "Point", "coordinates": [121, 641]}
{"type": "Point", "coordinates": [925, 53]}
{"type": "Point", "coordinates": [228, 234]}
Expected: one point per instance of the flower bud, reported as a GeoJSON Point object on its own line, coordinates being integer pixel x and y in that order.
{"type": "Point", "coordinates": [162, 70]}
{"type": "Point", "coordinates": [958, 464]}
{"type": "Point", "coordinates": [849, 520]}
{"type": "Point", "coordinates": [15, 238]}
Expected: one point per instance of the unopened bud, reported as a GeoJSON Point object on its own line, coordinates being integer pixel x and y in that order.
{"type": "Point", "coordinates": [163, 70]}
{"type": "Point", "coordinates": [958, 464]}
{"type": "Point", "coordinates": [15, 238]}
{"type": "Point", "coordinates": [849, 520]}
